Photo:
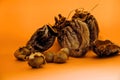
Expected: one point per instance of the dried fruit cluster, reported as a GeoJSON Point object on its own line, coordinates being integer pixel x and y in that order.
{"type": "Point", "coordinates": [75, 36]}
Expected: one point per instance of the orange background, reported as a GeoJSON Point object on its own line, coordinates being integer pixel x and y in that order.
{"type": "Point", "coordinates": [19, 19]}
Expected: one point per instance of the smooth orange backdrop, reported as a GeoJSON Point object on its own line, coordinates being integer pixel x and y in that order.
{"type": "Point", "coordinates": [19, 19]}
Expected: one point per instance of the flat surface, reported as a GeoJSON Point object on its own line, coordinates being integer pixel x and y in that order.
{"type": "Point", "coordinates": [19, 19]}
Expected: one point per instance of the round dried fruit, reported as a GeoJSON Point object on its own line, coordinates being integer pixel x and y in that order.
{"type": "Point", "coordinates": [49, 56]}
{"type": "Point", "coordinates": [73, 35]}
{"type": "Point", "coordinates": [36, 60]}
{"type": "Point", "coordinates": [91, 22]}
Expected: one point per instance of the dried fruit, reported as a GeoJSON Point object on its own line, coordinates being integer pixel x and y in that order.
{"type": "Point", "coordinates": [49, 56]}
{"type": "Point", "coordinates": [105, 48]}
{"type": "Point", "coordinates": [61, 56]}
{"type": "Point", "coordinates": [36, 60]}
{"type": "Point", "coordinates": [73, 35]}
{"type": "Point", "coordinates": [22, 53]}
{"type": "Point", "coordinates": [91, 22]}
{"type": "Point", "coordinates": [42, 39]}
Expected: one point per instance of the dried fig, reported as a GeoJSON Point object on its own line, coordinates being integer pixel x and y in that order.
{"type": "Point", "coordinates": [91, 22]}
{"type": "Point", "coordinates": [73, 35]}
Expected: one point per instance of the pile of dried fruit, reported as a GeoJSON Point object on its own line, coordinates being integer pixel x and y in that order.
{"type": "Point", "coordinates": [75, 36]}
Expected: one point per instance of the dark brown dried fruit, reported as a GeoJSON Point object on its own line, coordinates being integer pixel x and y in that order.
{"type": "Point", "coordinates": [42, 39]}
{"type": "Point", "coordinates": [105, 48]}
{"type": "Point", "coordinates": [73, 35]}
{"type": "Point", "coordinates": [91, 22]}
{"type": "Point", "coordinates": [36, 60]}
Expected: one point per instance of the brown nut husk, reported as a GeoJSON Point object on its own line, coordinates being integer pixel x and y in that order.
{"type": "Point", "coordinates": [49, 56]}
{"type": "Point", "coordinates": [36, 60]}
{"type": "Point", "coordinates": [105, 48]}
{"type": "Point", "coordinates": [22, 53]}
{"type": "Point", "coordinates": [73, 35]}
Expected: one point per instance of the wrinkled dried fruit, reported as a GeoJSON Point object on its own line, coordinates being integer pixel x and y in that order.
{"type": "Point", "coordinates": [42, 39]}
{"type": "Point", "coordinates": [49, 56]}
{"type": "Point", "coordinates": [22, 53]}
{"type": "Point", "coordinates": [91, 22]}
{"type": "Point", "coordinates": [73, 35]}
{"type": "Point", "coordinates": [105, 48]}
{"type": "Point", "coordinates": [36, 60]}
